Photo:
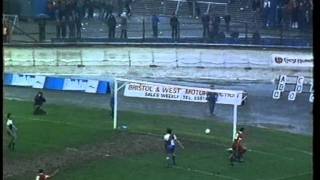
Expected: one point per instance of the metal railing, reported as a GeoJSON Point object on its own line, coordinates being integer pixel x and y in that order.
{"type": "Point", "coordinates": [190, 31]}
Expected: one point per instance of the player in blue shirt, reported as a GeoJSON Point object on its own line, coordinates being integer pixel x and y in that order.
{"type": "Point", "coordinates": [170, 141]}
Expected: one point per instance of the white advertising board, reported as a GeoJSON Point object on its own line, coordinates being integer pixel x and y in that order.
{"type": "Point", "coordinates": [285, 60]}
{"type": "Point", "coordinates": [74, 84]}
{"type": "Point", "coordinates": [28, 80]}
{"type": "Point", "coordinates": [92, 86]}
{"type": "Point", "coordinates": [181, 93]}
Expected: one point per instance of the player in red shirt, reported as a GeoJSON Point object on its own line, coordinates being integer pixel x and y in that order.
{"type": "Point", "coordinates": [238, 148]}
{"type": "Point", "coordinates": [43, 176]}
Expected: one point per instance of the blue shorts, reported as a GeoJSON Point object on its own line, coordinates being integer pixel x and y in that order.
{"type": "Point", "coordinates": [171, 149]}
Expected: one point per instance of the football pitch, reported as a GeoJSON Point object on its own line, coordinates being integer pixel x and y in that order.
{"type": "Point", "coordinates": [81, 143]}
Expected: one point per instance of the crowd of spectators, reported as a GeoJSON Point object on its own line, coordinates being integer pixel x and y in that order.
{"type": "Point", "coordinates": [69, 15]}
{"type": "Point", "coordinates": [295, 14]}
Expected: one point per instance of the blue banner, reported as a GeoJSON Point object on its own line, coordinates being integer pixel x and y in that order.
{"type": "Point", "coordinates": [57, 83]}
{"type": "Point", "coordinates": [54, 83]}
{"type": "Point", "coordinates": [7, 79]}
{"type": "Point", "coordinates": [103, 87]}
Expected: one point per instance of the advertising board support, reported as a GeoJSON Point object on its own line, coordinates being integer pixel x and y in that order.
{"type": "Point", "coordinates": [115, 94]}
{"type": "Point", "coordinates": [235, 119]}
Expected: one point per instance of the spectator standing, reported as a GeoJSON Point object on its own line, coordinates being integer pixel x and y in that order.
{"type": "Point", "coordinates": [211, 27]}
{"type": "Point", "coordinates": [58, 17]}
{"type": "Point", "coordinates": [90, 9]}
{"type": "Point", "coordinates": [205, 19]}
{"type": "Point", "coordinates": [198, 11]}
{"type": "Point", "coordinates": [256, 5]}
{"type": "Point", "coordinates": [120, 7]}
{"type": "Point", "coordinates": [111, 21]}
{"type": "Point", "coordinates": [155, 21]}
{"type": "Point", "coordinates": [266, 12]}
{"type": "Point", "coordinates": [71, 24]}
{"type": "Point", "coordinates": [63, 18]}
{"type": "Point", "coordinates": [212, 99]}
{"type": "Point", "coordinates": [78, 18]}
{"type": "Point", "coordinates": [42, 28]}
{"type": "Point", "coordinates": [63, 27]}
{"type": "Point", "coordinates": [278, 15]}
{"type": "Point", "coordinates": [293, 8]}
{"type": "Point", "coordinates": [174, 23]}
{"type": "Point", "coordinates": [227, 19]}
{"type": "Point", "coordinates": [51, 10]}
{"type": "Point", "coordinates": [302, 15]}
{"type": "Point", "coordinates": [124, 25]}
{"type": "Point", "coordinates": [102, 9]}
{"type": "Point", "coordinates": [309, 13]}
{"type": "Point", "coordinates": [216, 24]}
{"type": "Point", "coordinates": [82, 5]}
{"type": "Point", "coordinates": [256, 38]}
{"type": "Point", "coordinates": [6, 30]}
{"type": "Point", "coordinates": [127, 6]}
{"type": "Point", "coordinates": [295, 14]}
{"type": "Point", "coordinates": [109, 9]}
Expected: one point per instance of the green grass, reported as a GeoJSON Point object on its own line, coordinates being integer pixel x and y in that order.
{"type": "Point", "coordinates": [274, 154]}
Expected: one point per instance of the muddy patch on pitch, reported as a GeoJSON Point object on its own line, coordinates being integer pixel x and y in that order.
{"type": "Point", "coordinates": [122, 144]}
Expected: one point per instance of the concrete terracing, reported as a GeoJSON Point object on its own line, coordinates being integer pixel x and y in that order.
{"type": "Point", "coordinates": [238, 68]}
{"type": "Point", "coordinates": [153, 60]}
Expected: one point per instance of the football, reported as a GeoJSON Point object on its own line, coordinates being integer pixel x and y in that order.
{"type": "Point", "coordinates": [207, 131]}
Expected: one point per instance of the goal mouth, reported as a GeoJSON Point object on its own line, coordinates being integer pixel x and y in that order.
{"type": "Point", "coordinates": [160, 91]}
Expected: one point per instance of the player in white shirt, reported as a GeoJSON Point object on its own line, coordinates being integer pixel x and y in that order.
{"type": "Point", "coordinates": [170, 141]}
{"type": "Point", "coordinates": [11, 131]}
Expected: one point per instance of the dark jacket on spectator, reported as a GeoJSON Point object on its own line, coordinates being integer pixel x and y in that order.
{"type": "Point", "coordinates": [174, 21]}
{"type": "Point", "coordinates": [111, 21]}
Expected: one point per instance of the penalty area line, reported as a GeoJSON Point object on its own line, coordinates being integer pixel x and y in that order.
{"type": "Point", "coordinates": [301, 151]}
{"type": "Point", "coordinates": [292, 176]}
{"type": "Point", "coordinates": [56, 122]}
{"type": "Point", "coordinates": [271, 154]}
{"type": "Point", "coordinates": [204, 172]}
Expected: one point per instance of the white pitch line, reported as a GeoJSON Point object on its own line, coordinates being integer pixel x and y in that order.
{"type": "Point", "coordinates": [204, 172]}
{"type": "Point", "coordinates": [77, 125]}
{"type": "Point", "coordinates": [296, 175]}
{"type": "Point", "coordinates": [301, 151]}
{"type": "Point", "coordinates": [271, 154]}
{"type": "Point", "coordinates": [249, 150]}
{"type": "Point", "coordinates": [14, 98]}
{"type": "Point", "coordinates": [57, 122]}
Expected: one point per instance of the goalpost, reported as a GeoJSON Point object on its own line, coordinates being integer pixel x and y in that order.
{"type": "Point", "coordinates": [145, 89]}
